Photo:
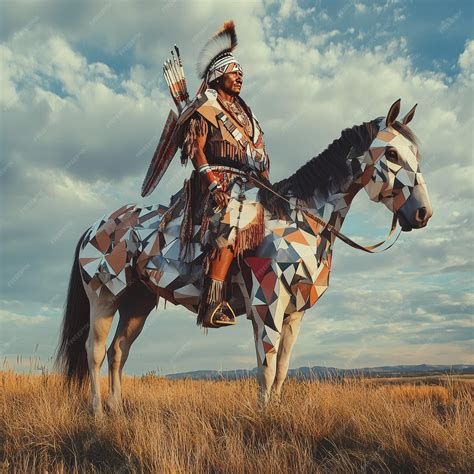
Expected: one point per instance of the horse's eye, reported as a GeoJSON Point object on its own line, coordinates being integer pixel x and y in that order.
{"type": "Point", "coordinates": [391, 154]}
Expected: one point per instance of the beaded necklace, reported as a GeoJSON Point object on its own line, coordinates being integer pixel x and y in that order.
{"type": "Point", "coordinates": [240, 115]}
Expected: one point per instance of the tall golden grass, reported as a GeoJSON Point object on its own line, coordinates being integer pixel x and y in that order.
{"type": "Point", "coordinates": [202, 426]}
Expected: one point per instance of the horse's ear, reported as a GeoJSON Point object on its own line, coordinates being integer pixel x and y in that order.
{"type": "Point", "coordinates": [408, 117]}
{"type": "Point", "coordinates": [393, 113]}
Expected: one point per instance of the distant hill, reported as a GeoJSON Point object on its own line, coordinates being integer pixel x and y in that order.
{"type": "Point", "coordinates": [318, 372]}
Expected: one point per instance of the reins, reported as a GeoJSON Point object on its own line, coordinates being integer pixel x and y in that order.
{"type": "Point", "coordinates": [330, 227]}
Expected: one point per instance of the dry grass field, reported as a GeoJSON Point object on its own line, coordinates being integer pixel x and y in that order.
{"type": "Point", "coordinates": [360, 425]}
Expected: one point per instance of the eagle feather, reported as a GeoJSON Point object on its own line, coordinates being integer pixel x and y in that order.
{"type": "Point", "coordinates": [225, 40]}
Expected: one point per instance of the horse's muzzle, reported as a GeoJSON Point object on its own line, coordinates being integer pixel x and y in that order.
{"type": "Point", "coordinates": [420, 220]}
{"type": "Point", "coordinates": [417, 210]}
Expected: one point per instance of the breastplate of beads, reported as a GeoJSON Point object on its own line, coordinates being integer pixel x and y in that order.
{"type": "Point", "coordinates": [241, 116]}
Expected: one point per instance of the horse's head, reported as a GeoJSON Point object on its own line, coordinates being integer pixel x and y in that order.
{"type": "Point", "coordinates": [392, 171]}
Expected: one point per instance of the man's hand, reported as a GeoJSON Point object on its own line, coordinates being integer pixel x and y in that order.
{"type": "Point", "coordinates": [221, 198]}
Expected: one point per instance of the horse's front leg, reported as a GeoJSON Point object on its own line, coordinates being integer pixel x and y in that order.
{"type": "Point", "coordinates": [289, 334]}
{"type": "Point", "coordinates": [266, 345]}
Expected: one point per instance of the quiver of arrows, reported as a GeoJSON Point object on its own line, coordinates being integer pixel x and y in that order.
{"type": "Point", "coordinates": [174, 77]}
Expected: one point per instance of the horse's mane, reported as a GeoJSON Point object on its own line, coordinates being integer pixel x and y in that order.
{"type": "Point", "coordinates": [331, 168]}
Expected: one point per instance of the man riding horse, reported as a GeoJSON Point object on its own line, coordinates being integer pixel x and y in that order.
{"type": "Point", "coordinates": [220, 135]}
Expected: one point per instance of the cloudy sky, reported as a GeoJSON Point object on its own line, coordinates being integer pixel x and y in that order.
{"type": "Point", "coordinates": [82, 105]}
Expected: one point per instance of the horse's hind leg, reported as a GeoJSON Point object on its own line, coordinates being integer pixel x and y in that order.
{"type": "Point", "coordinates": [289, 334]}
{"type": "Point", "coordinates": [102, 310]}
{"type": "Point", "coordinates": [135, 306]}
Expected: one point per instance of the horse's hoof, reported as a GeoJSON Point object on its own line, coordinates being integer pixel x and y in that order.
{"type": "Point", "coordinates": [96, 411]}
{"type": "Point", "coordinates": [113, 405]}
{"type": "Point", "coordinates": [98, 414]}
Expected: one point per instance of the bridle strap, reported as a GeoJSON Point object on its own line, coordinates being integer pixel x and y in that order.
{"type": "Point", "coordinates": [330, 227]}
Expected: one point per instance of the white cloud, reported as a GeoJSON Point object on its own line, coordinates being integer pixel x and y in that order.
{"type": "Point", "coordinates": [466, 60]}
{"type": "Point", "coordinates": [7, 317]}
{"type": "Point", "coordinates": [290, 8]}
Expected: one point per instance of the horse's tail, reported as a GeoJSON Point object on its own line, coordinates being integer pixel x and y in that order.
{"type": "Point", "coordinates": [71, 355]}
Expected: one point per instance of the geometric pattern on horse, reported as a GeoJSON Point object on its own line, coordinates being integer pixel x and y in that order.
{"type": "Point", "coordinates": [289, 272]}
{"type": "Point", "coordinates": [116, 244]}
{"type": "Point", "coordinates": [128, 238]}
{"type": "Point", "coordinates": [393, 181]}
{"type": "Point", "coordinates": [167, 270]}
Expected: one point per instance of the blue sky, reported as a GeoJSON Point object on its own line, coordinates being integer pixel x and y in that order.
{"type": "Point", "coordinates": [436, 30]}
{"type": "Point", "coordinates": [83, 101]}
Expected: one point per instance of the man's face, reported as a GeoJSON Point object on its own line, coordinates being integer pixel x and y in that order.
{"type": "Point", "coordinates": [231, 83]}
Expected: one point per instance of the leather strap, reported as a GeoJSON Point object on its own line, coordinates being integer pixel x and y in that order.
{"type": "Point", "coordinates": [330, 227]}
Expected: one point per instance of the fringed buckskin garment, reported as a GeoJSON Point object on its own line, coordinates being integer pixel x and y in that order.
{"type": "Point", "coordinates": [234, 142]}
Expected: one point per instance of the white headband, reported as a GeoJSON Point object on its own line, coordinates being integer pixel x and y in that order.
{"type": "Point", "coordinates": [223, 65]}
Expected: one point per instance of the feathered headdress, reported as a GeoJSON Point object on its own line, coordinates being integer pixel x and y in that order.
{"type": "Point", "coordinates": [216, 56]}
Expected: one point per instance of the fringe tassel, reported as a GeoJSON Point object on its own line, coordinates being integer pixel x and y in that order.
{"type": "Point", "coordinates": [187, 225]}
{"type": "Point", "coordinates": [216, 292]}
{"type": "Point", "coordinates": [212, 292]}
{"type": "Point", "coordinates": [242, 156]}
{"type": "Point", "coordinates": [169, 214]}
{"type": "Point", "coordinates": [225, 149]}
{"type": "Point", "coordinates": [197, 126]}
{"type": "Point", "coordinates": [252, 236]}
{"type": "Point", "coordinates": [207, 212]}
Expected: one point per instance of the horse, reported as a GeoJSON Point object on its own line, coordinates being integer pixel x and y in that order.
{"type": "Point", "coordinates": [125, 262]}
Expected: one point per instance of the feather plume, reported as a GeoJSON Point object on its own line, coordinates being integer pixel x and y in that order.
{"type": "Point", "coordinates": [225, 40]}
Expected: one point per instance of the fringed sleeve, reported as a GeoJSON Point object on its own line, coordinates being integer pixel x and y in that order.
{"type": "Point", "coordinates": [195, 127]}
